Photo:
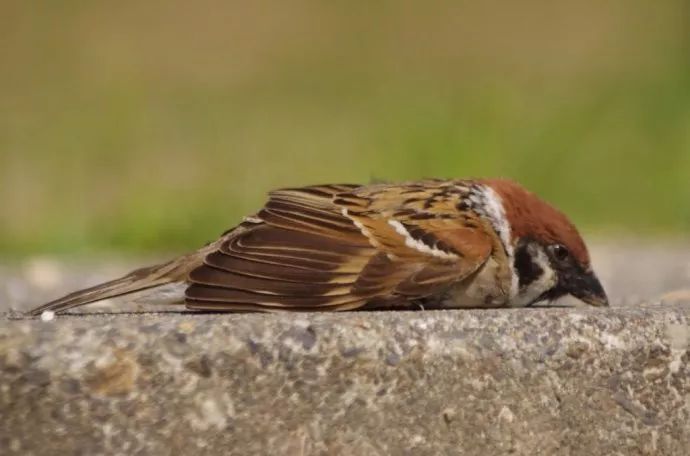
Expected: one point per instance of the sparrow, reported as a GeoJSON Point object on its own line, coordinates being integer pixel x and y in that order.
{"type": "Point", "coordinates": [470, 243]}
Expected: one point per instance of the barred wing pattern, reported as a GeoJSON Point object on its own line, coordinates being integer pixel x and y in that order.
{"type": "Point", "coordinates": [341, 247]}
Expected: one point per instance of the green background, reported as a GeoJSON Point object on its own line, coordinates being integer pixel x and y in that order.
{"type": "Point", "coordinates": [153, 126]}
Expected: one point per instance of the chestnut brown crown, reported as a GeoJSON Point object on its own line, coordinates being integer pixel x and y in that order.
{"type": "Point", "coordinates": [530, 216]}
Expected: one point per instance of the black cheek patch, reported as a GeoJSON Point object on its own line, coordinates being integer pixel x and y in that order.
{"type": "Point", "coordinates": [527, 270]}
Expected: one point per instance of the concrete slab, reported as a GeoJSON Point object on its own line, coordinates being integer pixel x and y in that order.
{"type": "Point", "coordinates": [525, 381]}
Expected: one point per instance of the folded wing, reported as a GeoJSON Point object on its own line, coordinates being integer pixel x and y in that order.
{"type": "Point", "coordinates": [325, 248]}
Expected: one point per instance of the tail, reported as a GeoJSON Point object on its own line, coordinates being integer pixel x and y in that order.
{"type": "Point", "coordinates": [139, 280]}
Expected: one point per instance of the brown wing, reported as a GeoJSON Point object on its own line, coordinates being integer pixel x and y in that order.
{"type": "Point", "coordinates": [313, 249]}
{"type": "Point", "coordinates": [429, 242]}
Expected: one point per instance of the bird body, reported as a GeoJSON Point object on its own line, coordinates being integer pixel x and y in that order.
{"type": "Point", "coordinates": [430, 243]}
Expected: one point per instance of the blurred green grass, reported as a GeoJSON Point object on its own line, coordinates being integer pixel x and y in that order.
{"type": "Point", "coordinates": [156, 126]}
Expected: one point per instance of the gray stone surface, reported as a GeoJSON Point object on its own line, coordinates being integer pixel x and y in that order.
{"type": "Point", "coordinates": [522, 381]}
{"type": "Point", "coordinates": [527, 381]}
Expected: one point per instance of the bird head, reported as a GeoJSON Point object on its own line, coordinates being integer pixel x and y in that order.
{"type": "Point", "coordinates": [550, 257]}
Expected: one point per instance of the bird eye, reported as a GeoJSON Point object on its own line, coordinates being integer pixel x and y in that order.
{"type": "Point", "coordinates": [560, 252]}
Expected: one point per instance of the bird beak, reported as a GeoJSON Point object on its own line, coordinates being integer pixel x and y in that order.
{"type": "Point", "coordinates": [588, 289]}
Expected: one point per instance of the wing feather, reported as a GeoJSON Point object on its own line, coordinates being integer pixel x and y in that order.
{"type": "Point", "coordinates": [339, 247]}
{"type": "Point", "coordinates": [275, 270]}
{"type": "Point", "coordinates": [223, 279]}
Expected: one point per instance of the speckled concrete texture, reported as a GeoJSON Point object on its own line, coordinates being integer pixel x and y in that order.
{"type": "Point", "coordinates": [525, 381]}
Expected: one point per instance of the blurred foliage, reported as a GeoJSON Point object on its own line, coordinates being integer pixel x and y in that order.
{"type": "Point", "coordinates": [156, 125]}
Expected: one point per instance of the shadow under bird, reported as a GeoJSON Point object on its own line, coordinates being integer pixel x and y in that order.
{"type": "Point", "coordinates": [475, 243]}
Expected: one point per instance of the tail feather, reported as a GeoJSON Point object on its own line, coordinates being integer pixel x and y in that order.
{"type": "Point", "coordinates": [174, 271]}
{"type": "Point", "coordinates": [112, 289]}
{"type": "Point", "coordinates": [139, 280]}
